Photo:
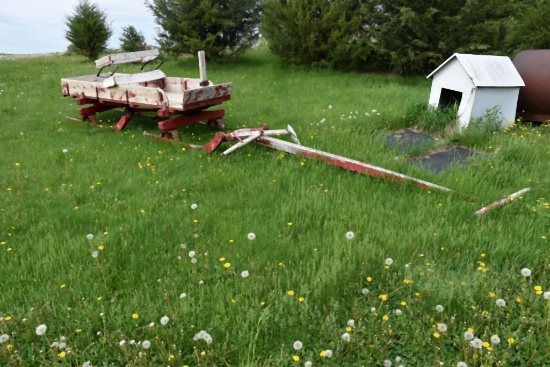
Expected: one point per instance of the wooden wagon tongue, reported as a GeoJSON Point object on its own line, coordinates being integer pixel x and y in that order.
{"type": "Point", "coordinates": [262, 135]}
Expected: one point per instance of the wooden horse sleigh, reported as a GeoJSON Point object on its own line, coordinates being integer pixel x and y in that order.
{"type": "Point", "coordinates": [177, 101]}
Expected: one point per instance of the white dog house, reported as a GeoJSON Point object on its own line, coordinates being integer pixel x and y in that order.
{"type": "Point", "coordinates": [477, 83]}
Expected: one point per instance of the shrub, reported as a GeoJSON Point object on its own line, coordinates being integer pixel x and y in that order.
{"type": "Point", "coordinates": [132, 40]}
{"type": "Point", "coordinates": [88, 29]}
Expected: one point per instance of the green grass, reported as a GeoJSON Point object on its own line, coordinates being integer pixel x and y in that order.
{"type": "Point", "coordinates": [134, 195]}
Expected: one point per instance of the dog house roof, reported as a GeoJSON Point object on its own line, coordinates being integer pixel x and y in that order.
{"type": "Point", "coordinates": [487, 71]}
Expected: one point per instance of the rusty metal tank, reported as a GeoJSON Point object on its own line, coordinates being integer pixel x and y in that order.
{"type": "Point", "coordinates": [534, 99]}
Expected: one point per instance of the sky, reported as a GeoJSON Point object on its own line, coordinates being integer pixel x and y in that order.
{"type": "Point", "coordinates": [38, 26]}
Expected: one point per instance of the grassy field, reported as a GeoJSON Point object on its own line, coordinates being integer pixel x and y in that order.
{"type": "Point", "coordinates": [120, 250]}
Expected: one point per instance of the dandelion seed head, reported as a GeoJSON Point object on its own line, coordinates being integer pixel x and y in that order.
{"type": "Point", "coordinates": [90, 236]}
{"type": "Point", "coordinates": [346, 337]}
{"type": "Point", "coordinates": [297, 345]}
{"type": "Point", "coordinates": [500, 302]}
{"type": "Point", "coordinates": [194, 260]}
{"type": "Point", "coordinates": [388, 261]}
{"type": "Point", "coordinates": [4, 338]}
{"type": "Point", "coordinates": [328, 353]}
{"type": "Point", "coordinates": [164, 320]}
{"type": "Point", "coordinates": [183, 295]}
{"type": "Point", "coordinates": [251, 236]}
{"type": "Point", "coordinates": [373, 309]}
{"type": "Point", "coordinates": [387, 363]}
{"type": "Point", "coordinates": [476, 343]}
{"type": "Point", "coordinates": [350, 235]}
{"type": "Point", "coordinates": [365, 291]}
{"type": "Point", "coordinates": [495, 339]}
{"type": "Point", "coordinates": [95, 254]}
{"type": "Point", "coordinates": [65, 150]}
{"type": "Point", "coordinates": [245, 274]}
{"type": "Point", "coordinates": [442, 327]}
{"type": "Point", "coordinates": [439, 308]}
{"type": "Point", "coordinates": [461, 364]}
{"type": "Point", "coordinates": [546, 295]}
{"type": "Point", "coordinates": [146, 344]}
{"type": "Point", "coordinates": [526, 272]}
{"type": "Point", "coordinates": [183, 245]}
{"type": "Point", "coordinates": [122, 342]}
{"type": "Point", "coordinates": [468, 335]}
{"type": "Point", "coordinates": [398, 312]}
{"type": "Point", "coordinates": [41, 329]}
{"type": "Point", "coordinates": [192, 253]}
{"type": "Point", "coordinates": [194, 206]}
{"type": "Point", "coordinates": [308, 364]}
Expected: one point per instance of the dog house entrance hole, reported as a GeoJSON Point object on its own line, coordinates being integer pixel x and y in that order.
{"type": "Point", "coordinates": [449, 98]}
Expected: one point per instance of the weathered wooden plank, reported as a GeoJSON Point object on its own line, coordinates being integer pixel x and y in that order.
{"type": "Point", "coordinates": [202, 69]}
{"type": "Point", "coordinates": [205, 93]}
{"type": "Point", "coordinates": [122, 58]}
{"type": "Point", "coordinates": [502, 201]}
{"type": "Point", "coordinates": [122, 79]}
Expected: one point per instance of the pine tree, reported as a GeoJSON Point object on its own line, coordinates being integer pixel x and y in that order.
{"type": "Point", "coordinates": [132, 40]}
{"type": "Point", "coordinates": [222, 28]}
{"type": "Point", "coordinates": [87, 29]}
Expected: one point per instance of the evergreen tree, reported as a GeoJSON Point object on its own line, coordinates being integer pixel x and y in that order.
{"type": "Point", "coordinates": [530, 27]}
{"type": "Point", "coordinates": [318, 33]}
{"type": "Point", "coordinates": [87, 29]}
{"type": "Point", "coordinates": [132, 40]}
{"type": "Point", "coordinates": [222, 28]}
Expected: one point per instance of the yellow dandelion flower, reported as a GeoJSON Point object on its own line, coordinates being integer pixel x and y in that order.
{"type": "Point", "coordinates": [195, 221]}
{"type": "Point", "coordinates": [203, 353]}
{"type": "Point", "coordinates": [417, 294]}
{"type": "Point", "coordinates": [135, 316]}
{"type": "Point", "coordinates": [227, 265]}
{"type": "Point", "coordinates": [437, 335]}
{"type": "Point", "coordinates": [511, 340]}
{"type": "Point", "coordinates": [9, 346]}
{"type": "Point", "coordinates": [482, 255]}
{"type": "Point", "coordinates": [262, 303]}
{"type": "Point", "coordinates": [491, 294]}
{"type": "Point", "coordinates": [322, 354]}
{"type": "Point", "coordinates": [101, 248]}
{"type": "Point", "coordinates": [348, 328]}
{"type": "Point", "coordinates": [470, 329]}
{"type": "Point", "coordinates": [62, 286]}
{"type": "Point", "coordinates": [301, 299]}
{"type": "Point", "coordinates": [233, 301]}
{"type": "Point", "coordinates": [538, 288]}
{"type": "Point", "coordinates": [407, 281]}
{"type": "Point", "coordinates": [403, 303]}
{"type": "Point", "coordinates": [289, 224]}
{"type": "Point", "coordinates": [290, 293]}
{"type": "Point", "coordinates": [78, 331]}
{"type": "Point", "coordinates": [485, 344]}
{"type": "Point", "coordinates": [222, 258]}
{"type": "Point", "coordinates": [99, 298]}
{"type": "Point", "coordinates": [385, 317]}
{"type": "Point", "coordinates": [369, 279]}
{"type": "Point", "coordinates": [171, 356]}
{"type": "Point", "coordinates": [62, 354]}
{"type": "Point", "coordinates": [7, 318]}
{"type": "Point", "coordinates": [518, 299]}
{"type": "Point", "coordinates": [296, 359]}
{"type": "Point", "coordinates": [383, 297]}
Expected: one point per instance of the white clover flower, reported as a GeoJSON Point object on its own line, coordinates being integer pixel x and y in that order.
{"type": "Point", "coordinates": [193, 206]}
{"type": "Point", "coordinates": [526, 272]}
{"type": "Point", "coordinates": [365, 291]}
{"type": "Point", "coordinates": [495, 339]}
{"type": "Point", "coordinates": [122, 342]}
{"type": "Point", "coordinates": [251, 236]}
{"type": "Point", "coordinates": [500, 302]}
{"type": "Point", "coordinates": [546, 295]}
{"type": "Point", "coordinates": [41, 329]}
{"type": "Point", "coordinates": [442, 327]}
{"type": "Point", "coordinates": [461, 364]}
{"type": "Point", "coordinates": [245, 274]}
{"type": "Point", "coordinates": [468, 335]}
{"type": "Point", "coordinates": [398, 312]}
{"type": "Point", "coordinates": [439, 308]}
{"type": "Point", "coordinates": [151, 324]}
{"type": "Point", "coordinates": [192, 253]}
{"type": "Point", "coordinates": [146, 344]}
{"type": "Point", "coordinates": [387, 363]}
{"type": "Point", "coordinates": [90, 236]}
{"type": "Point", "coordinates": [308, 364]}
{"type": "Point", "coordinates": [388, 261]}
{"type": "Point", "coordinates": [351, 322]}
{"type": "Point", "coordinates": [95, 254]}
{"type": "Point", "coordinates": [65, 150]}
{"type": "Point", "coordinates": [297, 345]}
{"type": "Point", "coordinates": [87, 364]}
{"type": "Point", "coordinates": [346, 337]}
{"type": "Point", "coordinates": [183, 295]}
{"type": "Point", "coordinates": [328, 353]}
{"type": "Point", "coordinates": [4, 338]}
{"type": "Point", "coordinates": [164, 320]}
{"type": "Point", "coordinates": [476, 343]}
{"type": "Point", "coordinates": [350, 235]}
